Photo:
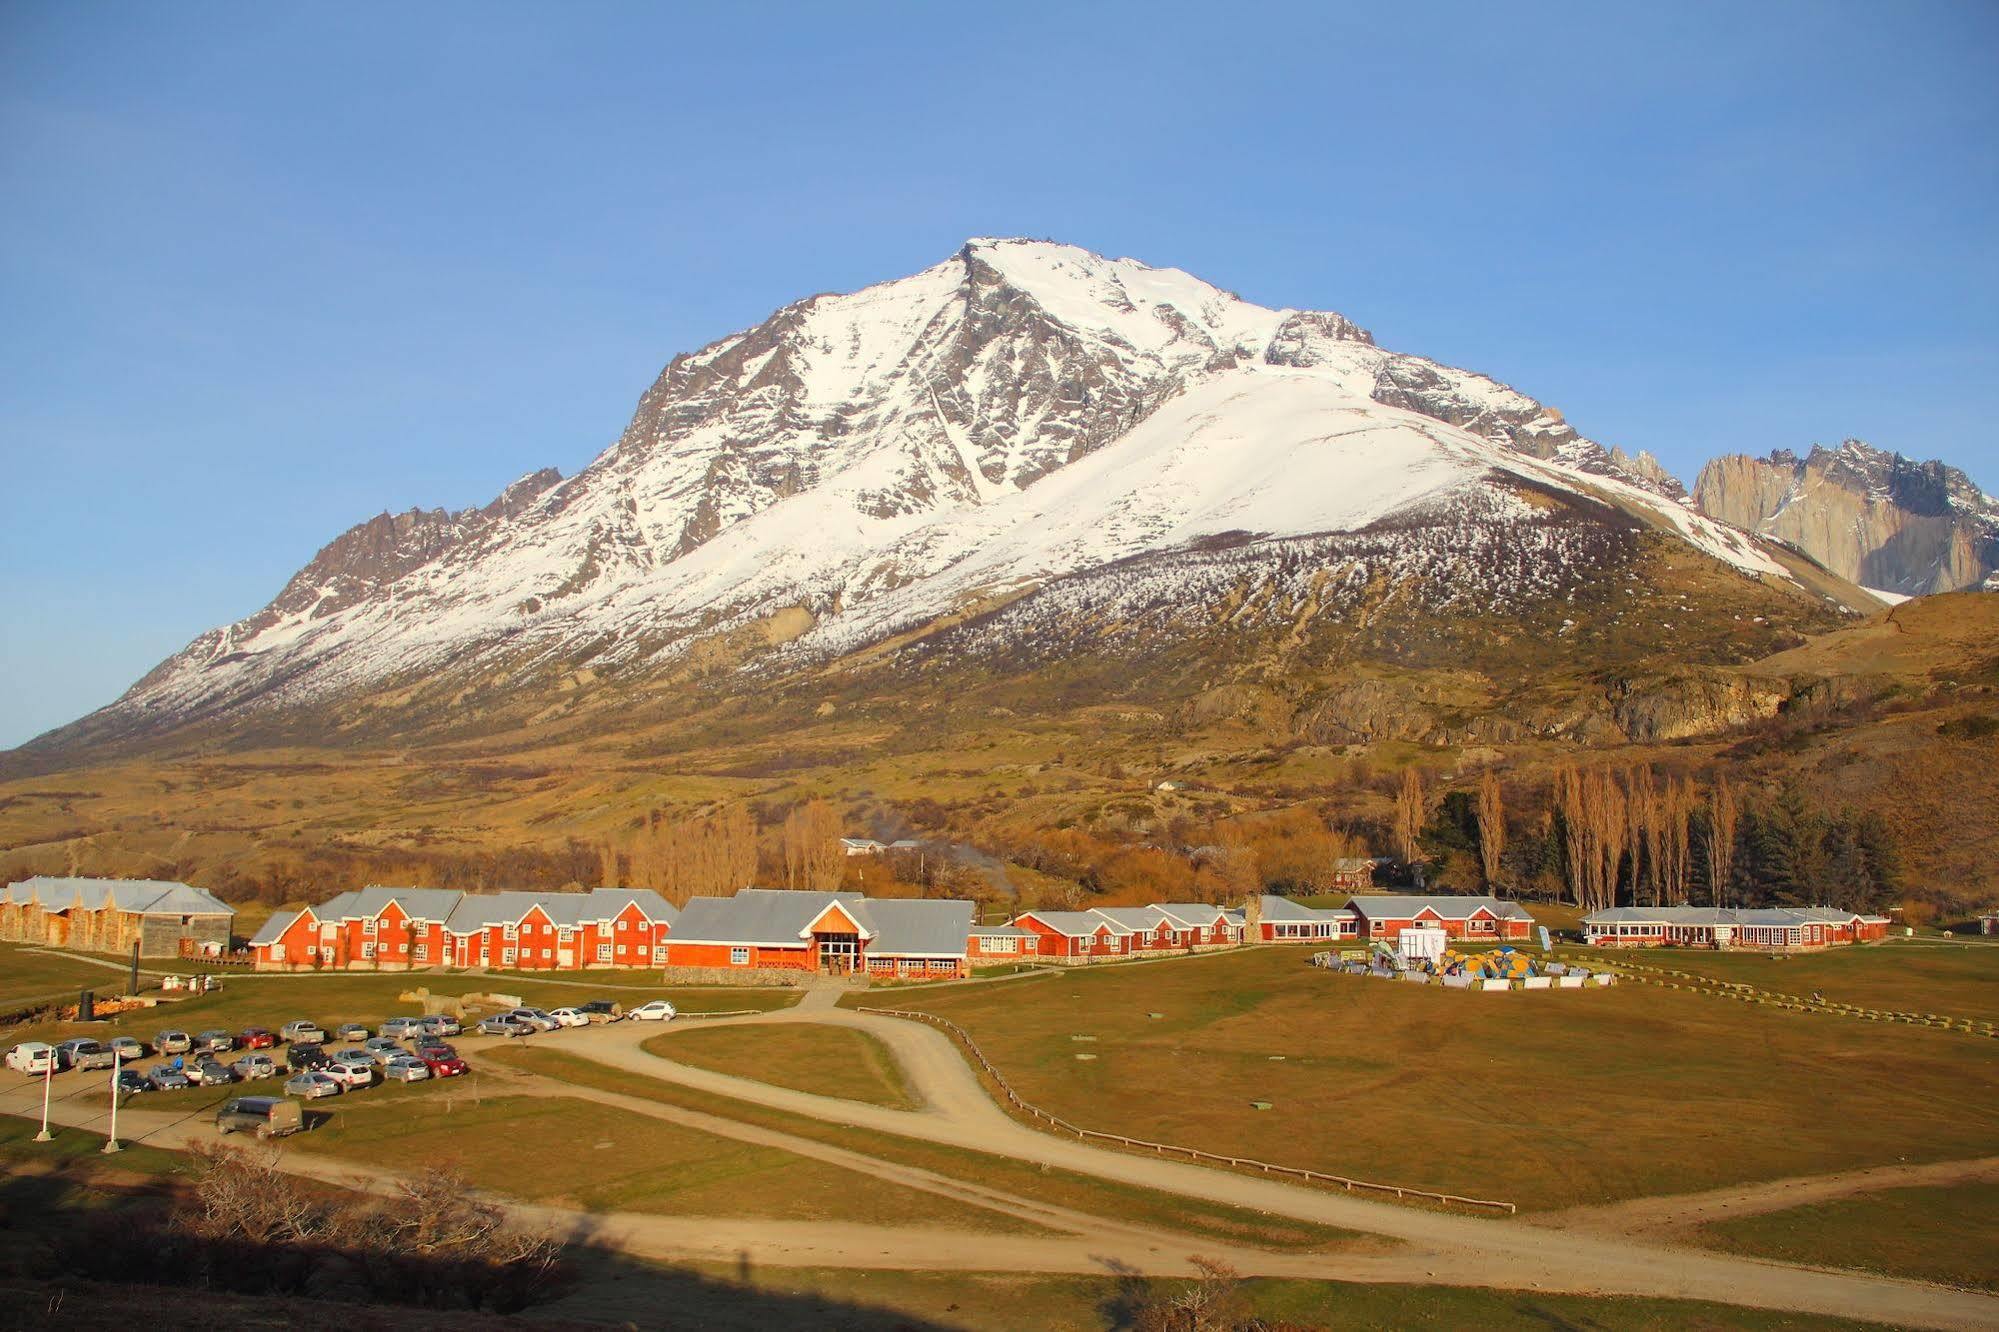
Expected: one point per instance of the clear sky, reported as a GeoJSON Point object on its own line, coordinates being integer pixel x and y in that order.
{"type": "Point", "coordinates": [266, 270]}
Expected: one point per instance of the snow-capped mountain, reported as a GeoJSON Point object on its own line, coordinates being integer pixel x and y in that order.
{"type": "Point", "coordinates": [1882, 520]}
{"type": "Point", "coordinates": [1016, 418]}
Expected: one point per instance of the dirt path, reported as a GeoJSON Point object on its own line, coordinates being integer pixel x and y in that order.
{"type": "Point", "coordinates": [1444, 1247]}
{"type": "Point", "coordinates": [1438, 1247]}
{"type": "Point", "coordinates": [1680, 1212]}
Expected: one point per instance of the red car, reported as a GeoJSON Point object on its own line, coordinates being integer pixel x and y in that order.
{"type": "Point", "coordinates": [441, 1063]}
{"type": "Point", "coordinates": [256, 1038]}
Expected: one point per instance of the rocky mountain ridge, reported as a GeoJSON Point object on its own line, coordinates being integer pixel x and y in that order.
{"type": "Point", "coordinates": [1021, 418]}
{"type": "Point", "coordinates": [1882, 520]}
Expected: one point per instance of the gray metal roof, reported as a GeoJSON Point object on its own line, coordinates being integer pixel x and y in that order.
{"type": "Point", "coordinates": [1693, 915]}
{"type": "Point", "coordinates": [146, 897]}
{"type": "Point", "coordinates": [1277, 908]}
{"type": "Point", "coordinates": [1077, 924]}
{"type": "Point", "coordinates": [1204, 914]}
{"type": "Point", "coordinates": [767, 917]}
{"type": "Point", "coordinates": [917, 926]}
{"type": "Point", "coordinates": [1446, 906]}
{"type": "Point", "coordinates": [1141, 920]}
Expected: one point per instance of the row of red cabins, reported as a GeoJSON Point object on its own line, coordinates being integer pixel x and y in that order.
{"type": "Point", "coordinates": [762, 929]}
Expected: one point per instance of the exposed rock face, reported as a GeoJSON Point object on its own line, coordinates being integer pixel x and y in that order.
{"type": "Point", "coordinates": [1874, 517]}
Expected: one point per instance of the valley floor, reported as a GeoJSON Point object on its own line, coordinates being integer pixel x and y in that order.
{"type": "Point", "coordinates": [954, 1186]}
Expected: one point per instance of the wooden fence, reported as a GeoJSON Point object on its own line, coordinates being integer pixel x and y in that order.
{"type": "Point", "coordinates": [1056, 1122]}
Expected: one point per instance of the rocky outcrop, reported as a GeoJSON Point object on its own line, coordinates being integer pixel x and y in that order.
{"type": "Point", "coordinates": [1691, 703]}
{"type": "Point", "coordinates": [1873, 517]}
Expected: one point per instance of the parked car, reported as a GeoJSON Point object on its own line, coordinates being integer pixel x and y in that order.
{"type": "Point", "coordinates": [601, 1010]}
{"type": "Point", "coordinates": [173, 1042]}
{"type": "Point", "coordinates": [126, 1047]}
{"type": "Point", "coordinates": [401, 1028]}
{"type": "Point", "coordinates": [312, 1085]}
{"type": "Point", "coordinates": [352, 1073]}
{"type": "Point", "coordinates": [354, 1054]}
{"type": "Point", "coordinates": [535, 1018]}
{"type": "Point", "coordinates": [657, 1010]}
{"type": "Point", "coordinates": [266, 1116]}
{"type": "Point", "coordinates": [352, 1031]}
{"type": "Point", "coordinates": [504, 1024]}
{"type": "Point", "coordinates": [165, 1077]}
{"type": "Point", "coordinates": [256, 1038]}
{"type": "Point", "coordinates": [252, 1066]}
{"type": "Point", "coordinates": [305, 1058]}
{"type": "Point", "coordinates": [302, 1032]}
{"type": "Point", "coordinates": [34, 1057]}
{"type": "Point", "coordinates": [84, 1053]}
{"type": "Point", "coordinates": [405, 1068]}
{"type": "Point", "coordinates": [211, 1073]}
{"type": "Point", "coordinates": [214, 1042]}
{"type": "Point", "coordinates": [440, 1024]}
{"type": "Point", "coordinates": [383, 1048]}
{"type": "Point", "coordinates": [442, 1061]}
{"type": "Point", "coordinates": [131, 1081]}
{"type": "Point", "coordinates": [568, 1017]}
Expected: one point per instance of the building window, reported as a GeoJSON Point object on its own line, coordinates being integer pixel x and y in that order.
{"type": "Point", "coordinates": [367, 950]}
{"type": "Point", "coordinates": [739, 957]}
{"type": "Point", "coordinates": [423, 952]}
{"type": "Point", "coordinates": [511, 931]}
{"type": "Point", "coordinates": [277, 952]}
{"type": "Point", "coordinates": [368, 925]}
{"type": "Point", "coordinates": [507, 956]}
{"type": "Point", "coordinates": [546, 954]}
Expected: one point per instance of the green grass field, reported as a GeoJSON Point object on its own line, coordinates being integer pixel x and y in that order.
{"type": "Point", "coordinates": [1948, 1234]}
{"type": "Point", "coordinates": [1138, 1206]}
{"type": "Point", "coordinates": [26, 976]}
{"type": "Point", "coordinates": [581, 1154]}
{"type": "Point", "coordinates": [810, 1057]}
{"type": "Point", "coordinates": [1543, 1099]}
{"type": "Point", "coordinates": [1958, 980]}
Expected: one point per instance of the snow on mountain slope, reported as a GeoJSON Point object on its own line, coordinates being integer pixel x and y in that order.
{"type": "Point", "coordinates": [1018, 413]}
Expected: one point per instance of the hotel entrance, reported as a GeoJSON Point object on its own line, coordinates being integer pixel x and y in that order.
{"type": "Point", "coordinates": [839, 954]}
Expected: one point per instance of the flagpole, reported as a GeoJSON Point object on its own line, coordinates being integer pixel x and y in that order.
{"type": "Point", "coordinates": [117, 1063]}
{"type": "Point", "coordinates": [48, 1083]}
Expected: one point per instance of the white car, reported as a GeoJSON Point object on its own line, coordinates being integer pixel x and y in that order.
{"type": "Point", "coordinates": [34, 1057]}
{"type": "Point", "coordinates": [351, 1073]}
{"type": "Point", "coordinates": [568, 1017]}
{"type": "Point", "coordinates": [657, 1011]}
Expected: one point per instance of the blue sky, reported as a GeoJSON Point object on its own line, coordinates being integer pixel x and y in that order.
{"type": "Point", "coordinates": [267, 270]}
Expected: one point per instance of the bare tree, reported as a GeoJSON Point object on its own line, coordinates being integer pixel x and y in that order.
{"type": "Point", "coordinates": [1491, 827]}
{"type": "Point", "coordinates": [1722, 817]}
{"type": "Point", "coordinates": [1410, 814]}
{"type": "Point", "coordinates": [1576, 857]}
{"type": "Point", "coordinates": [1212, 1302]}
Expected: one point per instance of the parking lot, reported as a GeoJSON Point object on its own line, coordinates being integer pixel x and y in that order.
{"type": "Point", "coordinates": [304, 1060]}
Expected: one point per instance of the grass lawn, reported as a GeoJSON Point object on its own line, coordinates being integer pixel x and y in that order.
{"type": "Point", "coordinates": [727, 1299]}
{"type": "Point", "coordinates": [369, 997]}
{"type": "Point", "coordinates": [805, 1056]}
{"type": "Point", "coordinates": [26, 976]}
{"type": "Point", "coordinates": [1960, 980]}
{"type": "Point", "coordinates": [599, 1158]}
{"type": "Point", "coordinates": [1544, 1099]}
{"type": "Point", "coordinates": [1948, 1234]}
{"type": "Point", "coordinates": [1136, 1205]}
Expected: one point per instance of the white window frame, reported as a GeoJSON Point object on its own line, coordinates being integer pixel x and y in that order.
{"type": "Point", "coordinates": [368, 925]}
{"type": "Point", "coordinates": [277, 952]}
{"type": "Point", "coordinates": [603, 952]}
{"type": "Point", "coordinates": [506, 957]}
{"type": "Point", "coordinates": [423, 952]}
{"type": "Point", "coordinates": [510, 931]}
{"type": "Point", "coordinates": [739, 957]}
{"type": "Point", "coordinates": [367, 949]}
